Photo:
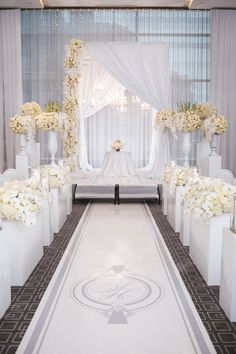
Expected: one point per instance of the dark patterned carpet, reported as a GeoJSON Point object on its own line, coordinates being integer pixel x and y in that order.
{"type": "Point", "coordinates": [25, 299]}
{"type": "Point", "coordinates": [222, 332]}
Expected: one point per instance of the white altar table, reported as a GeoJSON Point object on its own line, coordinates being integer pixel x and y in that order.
{"type": "Point", "coordinates": [118, 163]}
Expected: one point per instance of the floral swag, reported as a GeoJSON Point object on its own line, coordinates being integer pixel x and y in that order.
{"type": "Point", "coordinates": [71, 101]}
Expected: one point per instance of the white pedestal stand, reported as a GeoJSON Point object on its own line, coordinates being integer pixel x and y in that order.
{"type": "Point", "coordinates": [33, 150]}
{"type": "Point", "coordinates": [58, 208]}
{"type": "Point", "coordinates": [206, 246]}
{"type": "Point", "coordinates": [228, 275]}
{"type": "Point", "coordinates": [47, 230]}
{"type": "Point", "coordinates": [25, 248]}
{"type": "Point", "coordinates": [22, 165]}
{"type": "Point", "coordinates": [5, 283]}
{"type": "Point", "coordinates": [69, 199]}
{"type": "Point", "coordinates": [213, 166]}
{"type": "Point", "coordinates": [184, 227]}
{"type": "Point", "coordinates": [203, 151]}
{"type": "Point", "coordinates": [174, 208]}
{"type": "Point", "coordinates": [164, 198]}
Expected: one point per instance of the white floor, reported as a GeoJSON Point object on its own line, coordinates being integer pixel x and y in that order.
{"type": "Point", "coordinates": [116, 291]}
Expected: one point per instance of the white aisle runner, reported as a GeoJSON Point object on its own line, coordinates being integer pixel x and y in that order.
{"type": "Point", "coordinates": [116, 291]}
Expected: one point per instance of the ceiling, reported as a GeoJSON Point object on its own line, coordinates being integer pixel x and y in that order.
{"type": "Point", "coordinates": [192, 4]}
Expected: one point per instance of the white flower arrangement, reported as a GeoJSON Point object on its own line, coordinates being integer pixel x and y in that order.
{"type": "Point", "coordinates": [208, 197]}
{"type": "Point", "coordinates": [24, 123]}
{"type": "Point", "coordinates": [21, 124]}
{"type": "Point", "coordinates": [205, 110]}
{"type": "Point", "coordinates": [21, 200]}
{"type": "Point", "coordinates": [166, 118]}
{"type": "Point", "coordinates": [50, 121]}
{"type": "Point", "coordinates": [175, 175]}
{"type": "Point", "coordinates": [117, 145]}
{"type": "Point", "coordinates": [188, 121]}
{"type": "Point", "coordinates": [71, 100]}
{"type": "Point", "coordinates": [57, 176]}
{"type": "Point", "coordinates": [30, 109]}
{"type": "Point", "coordinates": [215, 125]}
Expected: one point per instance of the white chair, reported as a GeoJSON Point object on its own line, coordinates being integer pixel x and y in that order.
{"type": "Point", "coordinates": [226, 176]}
{"type": "Point", "coordinates": [11, 174]}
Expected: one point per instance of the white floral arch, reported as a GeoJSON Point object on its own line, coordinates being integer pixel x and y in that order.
{"type": "Point", "coordinates": [142, 68]}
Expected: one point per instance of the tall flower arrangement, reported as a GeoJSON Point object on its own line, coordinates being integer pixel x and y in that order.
{"type": "Point", "coordinates": [24, 123]}
{"type": "Point", "coordinates": [166, 118]}
{"type": "Point", "coordinates": [52, 118]}
{"type": "Point", "coordinates": [71, 100]}
{"type": "Point", "coordinates": [215, 125]}
{"type": "Point", "coordinates": [188, 120]}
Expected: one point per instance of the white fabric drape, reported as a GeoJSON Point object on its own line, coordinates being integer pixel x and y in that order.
{"type": "Point", "coordinates": [133, 126]}
{"type": "Point", "coordinates": [96, 87]}
{"type": "Point", "coordinates": [144, 70]}
{"type": "Point", "coordinates": [10, 82]}
{"type": "Point", "coordinates": [223, 79]}
{"type": "Point", "coordinates": [45, 34]}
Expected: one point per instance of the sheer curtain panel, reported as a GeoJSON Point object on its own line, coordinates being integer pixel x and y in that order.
{"type": "Point", "coordinates": [10, 82]}
{"type": "Point", "coordinates": [223, 78]}
{"type": "Point", "coordinates": [187, 32]}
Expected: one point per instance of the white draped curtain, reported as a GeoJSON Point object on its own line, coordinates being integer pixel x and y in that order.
{"type": "Point", "coordinates": [223, 78]}
{"type": "Point", "coordinates": [45, 34]}
{"type": "Point", "coordinates": [141, 68]}
{"type": "Point", "coordinates": [97, 85]}
{"type": "Point", "coordinates": [10, 82]}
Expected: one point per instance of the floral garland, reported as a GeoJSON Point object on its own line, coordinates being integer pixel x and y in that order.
{"type": "Point", "coordinates": [208, 197]}
{"type": "Point", "coordinates": [71, 101]}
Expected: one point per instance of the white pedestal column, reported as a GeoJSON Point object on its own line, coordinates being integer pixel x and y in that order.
{"type": "Point", "coordinates": [174, 208]}
{"type": "Point", "coordinates": [203, 151]}
{"type": "Point", "coordinates": [47, 230]}
{"type": "Point", "coordinates": [58, 208]}
{"type": "Point", "coordinates": [22, 165]}
{"type": "Point", "coordinates": [164, 198]}
{"type": "Point", "coordinates": [228, 275]}
{"type": "Point", "coordinates": [184, 227]}
{"type": "Point", "coordinates": [25, 248]}
{"type": "Point", "coordinates": [5, 283]}
{"type": "Point", "coordinates": [33, 150]}
{"type": "Point", "coordinates": [205, 246]}
{"type": "Point", "coordinates": [212, 166]}
{"type": "Point", "coordinates": [69, 199]}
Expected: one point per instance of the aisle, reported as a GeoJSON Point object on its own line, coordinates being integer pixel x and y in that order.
{"type": "Point", "coordinates": [116, 291]}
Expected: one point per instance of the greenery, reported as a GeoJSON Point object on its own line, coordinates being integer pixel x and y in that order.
{"type": "Point", "coordinates": [186, 106]}
{"type": "Point", "coordinates": [52, 106]}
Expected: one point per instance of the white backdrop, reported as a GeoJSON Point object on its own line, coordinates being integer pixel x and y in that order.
{"type": "Point", "coordinates": [141, 68]}
{"type": "Point", "coordinates": [223, 79]}
{"type": "Point", "coordinates": [10, 82]}
{"type": "Point", "coordinates": [45, 34]}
